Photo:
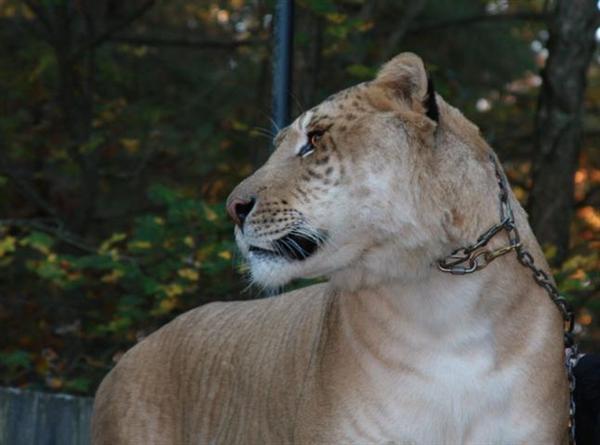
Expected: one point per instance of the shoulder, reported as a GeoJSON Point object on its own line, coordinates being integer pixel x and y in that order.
{"type": "Point", "coordinates": [224, 327]}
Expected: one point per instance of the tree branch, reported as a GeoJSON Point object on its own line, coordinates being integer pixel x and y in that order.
{"type": "Point", "coordinates": [111, 30]}
{"type": "Point", "coordinates": [27, 190]}
{"type": "Point", "coordinates": [186, 42]}
{"type": "Point", "coordinates": [58, 232]}
{"type": "Point", "coordinates": [479, 18]}
{"type": "Point", "coordinates": [413, 9]}
{"type": "Point", "coordinates": [41, 15]}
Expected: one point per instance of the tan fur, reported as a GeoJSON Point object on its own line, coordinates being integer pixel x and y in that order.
{"type": "Point", "coordinates": [389, 350]}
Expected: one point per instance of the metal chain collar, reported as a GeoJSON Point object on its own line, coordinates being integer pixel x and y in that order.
{"type": "Point", "coordinates": [475, 257]}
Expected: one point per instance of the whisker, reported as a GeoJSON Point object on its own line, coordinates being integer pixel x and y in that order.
{"type": "Point", "coordinates": [277, 248]}
{"type": "Point", "coordinates": [275, 124]}
{"type": "Point", "coordinates": [309, 234]}
{"type": "Point", "coordinates": [264, 132]}
{"type": "Point", "coordinates": [293, 245]}
{"type": "Point", "coordinates": [298, 104]}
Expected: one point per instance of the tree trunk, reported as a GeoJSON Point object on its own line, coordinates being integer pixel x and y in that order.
{"type": "Point", "coordinates": [558, 123]}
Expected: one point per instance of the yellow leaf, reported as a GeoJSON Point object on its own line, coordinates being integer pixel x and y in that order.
{"type": "Point", "coordinates": [172, 290]}
{"type": "Point", "coordinates": [239, 126]}
{"type": "Point", "coordinates": [550, 251]}
{"type": "Point", "coordinates": [336, 17]}
{"type": "Point", "coordinates": [225, 254]}
{"type": "Point", "coordinates": [112, 277]}
{"type": "Point", "coordinates": [188, 241]}
{"type": "Point", "coordinates": [366, 26]}
{"type": "Point", "coordinates": [7, 245]}
{"type": "Point", "coordinates": [167, 305]}
{"type": "Point", "coordinates": [140, 51]}
{"type": "Point", "coordinates": [140, 245]}
{"type": "Point", "coordinates": [586, 262]}
{"type": "Point", "coordinates": [115, 238]}
{"type": "Point", "coordinates": [188, 274]}
{"type": "Point", "coordinates": [131, 145]}
{"type": "Point", "coordinates": [211, 215]}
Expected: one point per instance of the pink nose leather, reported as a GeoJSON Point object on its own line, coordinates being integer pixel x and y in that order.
{"type": "Point", "coordinates": [239, 209]}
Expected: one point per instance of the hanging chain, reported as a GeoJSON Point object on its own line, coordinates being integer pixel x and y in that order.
{"type": "Point", "coordinates": [475, 257]}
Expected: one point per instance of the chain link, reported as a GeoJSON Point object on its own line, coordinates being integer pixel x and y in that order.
{"type": "Point", "coordinates": [475, 257]}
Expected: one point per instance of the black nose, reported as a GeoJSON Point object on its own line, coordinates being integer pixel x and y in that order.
{"type": "Point", "coordinates": [239, 210]}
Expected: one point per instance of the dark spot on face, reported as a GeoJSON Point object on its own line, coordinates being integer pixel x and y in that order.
{"type": "Point", "coordinates": [333, 145]}
{"type": "Point", "coordinates": [329, 171]}
{"type": "Point", "coordinates": [314, 174]}
{"type": "Point", "coordinates": [320, 118]}
{"type": "Point", "coordinates": [350, 117]}
{"type": "Point", "coordinates": [323, 160]}
{"type": "Point", "coordinates": [343, 128]}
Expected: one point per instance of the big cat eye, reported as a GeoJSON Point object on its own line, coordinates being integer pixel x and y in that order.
{"type": "Point", "coordinates": [314, 137]}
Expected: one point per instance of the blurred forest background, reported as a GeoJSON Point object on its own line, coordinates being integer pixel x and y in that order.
{"type": "Point", "coordinates": [124, 125]}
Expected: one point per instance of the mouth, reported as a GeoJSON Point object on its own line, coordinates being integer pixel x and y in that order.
{"type": "Point", "coordinates": [293, 246]}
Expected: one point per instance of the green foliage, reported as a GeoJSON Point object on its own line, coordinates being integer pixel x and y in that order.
{"type": "Point", "coordinates": [115, 163]}
{"type": "Point", "coordinates": [170, 260]}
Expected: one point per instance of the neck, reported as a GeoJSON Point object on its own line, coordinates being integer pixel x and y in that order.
{"type": "Point", "coordinates": [435, 304]}
{"type": "Point", "coordinates": [381, 335]}
{"type": "Point", "coordinates": [436, 314]}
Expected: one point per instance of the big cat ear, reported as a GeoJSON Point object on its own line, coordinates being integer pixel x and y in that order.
{"type": "Point", "coordinates": [407, 79]}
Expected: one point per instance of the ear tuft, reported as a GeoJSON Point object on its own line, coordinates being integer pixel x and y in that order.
{"type": "Point", "coordinates": [406, 75]}
{"type": "Point", "coordinates": [431, 108]}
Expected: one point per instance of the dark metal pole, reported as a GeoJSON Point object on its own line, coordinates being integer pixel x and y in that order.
{"type": "Point", "coordinates": [282, 62]}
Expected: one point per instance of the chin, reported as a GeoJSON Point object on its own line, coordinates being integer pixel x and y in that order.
{"type": "Point", "coordinates": [272, 273]}
{"type": "Point", "coordinates": [275, 264]}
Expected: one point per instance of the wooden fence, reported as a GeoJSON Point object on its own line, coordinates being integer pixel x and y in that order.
{"type": "Point", "coordinates": [35, 418]}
